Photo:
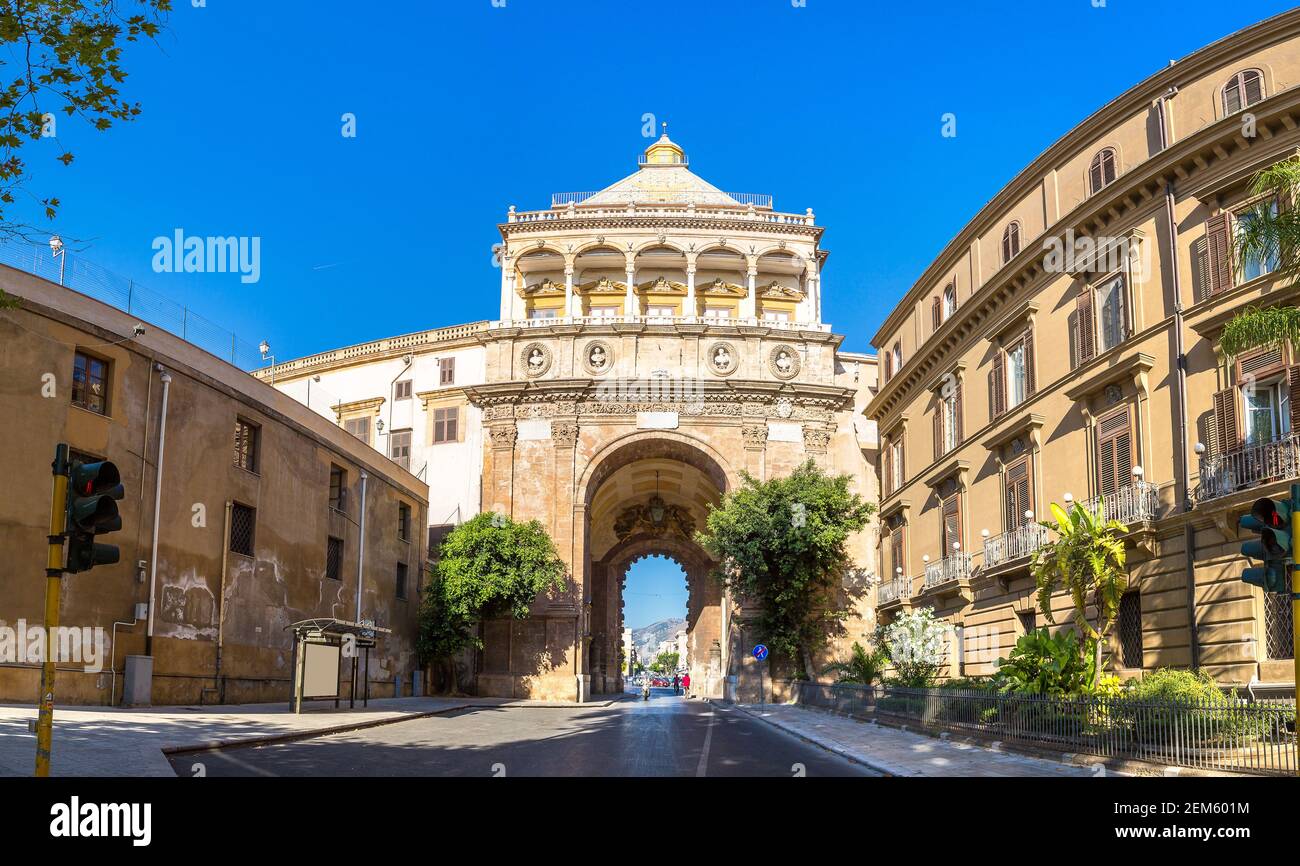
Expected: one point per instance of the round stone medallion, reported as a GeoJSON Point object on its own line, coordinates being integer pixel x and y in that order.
{"type": "Point", "coordinates": [535, 360]}
{"type": "Point", "coordinates": [722, 359]}
{"type": "Point", "coordinates": [784, 362]}
{"type": "Point", "coordinates": [598, 357]}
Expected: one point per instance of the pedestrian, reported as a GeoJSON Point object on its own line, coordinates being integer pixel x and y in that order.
{"type": "Point", "coordinates": [677, 685]}
{"type": "Point", "coordinates": [686, 683]}
{"type": "Point", "coordinates": [645, 689]}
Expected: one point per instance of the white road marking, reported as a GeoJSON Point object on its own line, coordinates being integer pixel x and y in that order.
{"type": "Point", "coordinates": [704, 753]}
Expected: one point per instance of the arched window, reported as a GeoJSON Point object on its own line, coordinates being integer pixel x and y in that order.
{"type": "Point", "coordinates": [1101, 173]}
{"type": "Point", "coordinates": [949, 300]}
{"type": "Point", "coordinates": [1244, 90]}
{"type": "Point", "coordinates": [1010, 242]}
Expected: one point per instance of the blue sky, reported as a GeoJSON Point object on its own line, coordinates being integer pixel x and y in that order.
{"type": "Point", "coordinates": [656, 590]}
{"type": "Point", "coordinates": [464, 108]}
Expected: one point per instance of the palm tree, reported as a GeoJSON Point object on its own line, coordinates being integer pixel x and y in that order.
{"type": "Point", "coordinates": [1086, 559]}
{"type": "Point", "coordinates": [1270, 231]}
{"type": "Point", "coordinates": [862, 667]}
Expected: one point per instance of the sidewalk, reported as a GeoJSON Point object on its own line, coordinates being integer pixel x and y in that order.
{"type": "Point", "coordinates": [103, 741]}
{"type": "Point", "coordinates": [902, 753]}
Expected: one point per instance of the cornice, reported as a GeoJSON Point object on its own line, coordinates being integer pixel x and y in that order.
{"type": "Point", "coordinates": [580, 223]}
{"type": "Point", "coordinates": [1091, 381]}
{"type": "Point", "coordinates": [1132, 101]}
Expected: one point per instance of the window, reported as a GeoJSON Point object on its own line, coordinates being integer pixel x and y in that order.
{"type": "Point", "coordinates": [90, 383]}
{"type": "Point", "coordinates": [951, 528]}
{"type": "Point", "coordinates": [446, 371]}
{"type": "Point", "coordinates": [893, 464]}
{"type": "Point", "coordinates": [1253, 266]}
{"type": "Point", "coordinates": [402, 390]}
{"type": "Point", "coordinates": [1242, 91]}
{"type": "Point", "coordinates": [949, 300]}
{"type": "Point", "coordinates": [246, 441]}
{"type": "Point", "coordinates": [1028, 620]}
{"type": "Point", "coordinates": [1018, 495]}
{"type": "Point", "coordinates": [338, 489]}
{"type": "Point", "coordinates": [403, 521]}
{"type": "Point", "coordinates": [551, 313]}
{"type": "Point", "coordinates": [776, 316]}
{"type": "Point", "coordinates": [1114, 453]}
{"type": "Point", "coordinates": [896, 356]}
{"type": "Point", "coordinates": [947, 421]}
{"type": "Point", "coordinates": [661, 311]}
{"type": "Point", "coordinates": [358, 427]}
{"type": "Point", "coordinates": [896, 554]}
{"type": "Point", "coordinates": [1112, 324]}
{"type": "Point", "coordinates": [604, 312]}
{"type": "Point", "coordinates": [1267, 410]}
{"type": "Point", "coordinates": [1010, 242]}
{"type": "Point", "coordinates": [1130, 630]}
{"type": "Point", "coordinates": [401, 580]}
{"type": "Point", "coordinates": [717, 312]}
{"type": "Point", "coordinates": [242, 522]}
{"type": "Point", "coordinates": [1279, 625]}
{"type": "Point", "coordinates": [334, 558]}
{"type": "Point", "coordinates": [399, 446]}
{"type": "Point", "coordinates": [1101, 173]}
{"type": "Point", "coordinates": [445, 423]}
{"type": "Point", "coordinates": [1018, 361]}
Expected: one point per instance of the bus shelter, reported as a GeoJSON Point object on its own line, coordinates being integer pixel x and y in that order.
{"type": "Point", "coordinates": [319, 647]}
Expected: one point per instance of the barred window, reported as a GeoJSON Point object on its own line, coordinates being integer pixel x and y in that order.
{"type": "Point", "coordinates": [246, 436]}
{"type": "Point", "coordinates": [1279, 626]}
{"type": "Point", "coordinates": [242, 522]}
{"type": "Point", "coordinates": [1028, 620]}
{"type": "Point", "coordinates": [401, 580]}
{"type": "Point", "coordinates": [338, 489]}
{"type": "Point", "coordinates": [334, 558]}
{"type": "Point", "coordinates": [403, 521]}
{"type": "Point", "coordinates": [445, 422]}
{"type": "Point", "coordinates": [90, 383]}
{"type": "Point", "coordinates": [1130, 630]}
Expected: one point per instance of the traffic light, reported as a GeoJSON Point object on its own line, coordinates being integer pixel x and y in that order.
{"type": "Point", "coordinates": [93, 489]}
{"type": "Point", "coordinates": [1271, 518]}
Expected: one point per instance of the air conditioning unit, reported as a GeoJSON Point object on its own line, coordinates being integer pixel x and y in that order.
{"type": "Point", "coordinates": [141, 610]}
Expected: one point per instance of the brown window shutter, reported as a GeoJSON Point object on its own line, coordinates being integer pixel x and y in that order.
{"type": "Point", "coordinates": [896, 552]}
{"type": "Point", "coordinates": [1218, 240]}
{"type": "Point", "coordinates": [951, 525]}
{"type": "Point", "coordinates": [997, 387]}
{"type": "Point", "coordinates": [1029, 364]}
{"type": "Point", "coordinates": [1259, 363]}
{"type": "Point", "coordinates": [1087, 338]}
{"type": "Point", "coordinates": [1293, 382]}
{"type": "Point", "coordinates": [1114, 452]}
{"type": "Point", "coordinates": [1017, 494]}
{"type": "Point", "coordinates": [1227, 436]}
{"type": "Point", "coordinates": [886, 476]}
{"type": "Point", "coordinates": [938, 430]}
{"type": "Point", "coordinates": [957, 404]}
{"type": "Point", "coordinates": [936, 312]}
{"type": "Point", "coordinates": [1253, 86]}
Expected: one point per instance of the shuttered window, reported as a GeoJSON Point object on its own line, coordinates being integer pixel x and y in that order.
{"type": "Point", "coordinates": [936, 313]}
{"type": "Point", "coordinates": [1225, 435]}
{"type": "Point", "coordinates": [896, 553]}
{"type": "Point", "coordinates": [1011, 381]}
{"type": "Point", "coordinates": [1218, 253]}
{"type": "Point", "coordinates": [1252, 267]}
{"type": "Point", "coordinates": [1018, 494]}
{"type": "Point", "coordinates": [1085, 338]}
{"type": "Point", "coordinates": [358, 427]}
{"type": "Point", "coordinates": [951, 525]}
{"type": "Point", "coordinates": [1011, 242]}
{"type": "Point", "coordinates": [447, 371]}
{"type": "Point", "coordinates": [445, 423]}
{"type": "Point", "coordinates": [1242, 91]}
{"type": "Point", "coordinates": [1114, 452]}
{"type": "Point", "coordinates": [400, 448]}
{"type": "Point", "coordinates": [1112, 313]}
{"type": "Point", "coordinates": [1101, 173]}
{"type": "Point", "coordinates": [947, 422]}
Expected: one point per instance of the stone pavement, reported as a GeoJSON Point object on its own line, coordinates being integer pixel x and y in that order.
{"type": "Point", "coordinates": [104, 741]}
{"type": "Point", "coordinates": [904, 753]}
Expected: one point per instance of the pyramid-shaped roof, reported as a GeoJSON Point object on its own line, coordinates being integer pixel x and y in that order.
{"type": "Point", "coordinates": [662, 179]}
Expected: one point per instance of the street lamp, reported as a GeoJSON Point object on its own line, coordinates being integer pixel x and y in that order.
{"type": "Point", "coordinates": [265, 348]}
{"type": "Point", "coordinates": [58, 251]}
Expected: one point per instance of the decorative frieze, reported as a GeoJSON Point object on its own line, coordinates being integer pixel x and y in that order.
{"type": "Point", "coordinates": [503, 436]}
{"type": "Point", "coordinates": [565, 435]}
{"type": "Point", "coordinates": [755, 437]}
{"type": "Point", "coordinates": [816, 440]}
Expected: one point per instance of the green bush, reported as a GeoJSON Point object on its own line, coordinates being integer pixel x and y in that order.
{"type": "Point", "coordinates": [1188, 707]}
{"type": "Point", "coordinates": [1045, 664]}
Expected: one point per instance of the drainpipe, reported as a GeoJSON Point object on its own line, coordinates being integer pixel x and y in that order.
{"type": "Point", "coordinates": [1180, 392]}
{"type": "Point", "coordinates": [166, 380]}
{"type": "Point", "coordinates": [221, 601]}
{"type": "Point", "coordinates": [361, 545]}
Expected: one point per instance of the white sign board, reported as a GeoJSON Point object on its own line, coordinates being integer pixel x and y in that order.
{"type": "Point", "coordinates": [534, 430]}
{"type": "Point", "coordinates": [657, 421]}
{"type": "Point", "coordinates": [784, 431]}
{"type": "Point", "coordinates": [320, 676]}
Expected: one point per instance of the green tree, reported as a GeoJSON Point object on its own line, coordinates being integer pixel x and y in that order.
{"type": "Point", "coordinates": [782, 545]}
{"type": "Point", "coordinates": [1086, 560]}
{"type": "Point", "coordinates": [489, 567]}
{"type": "Point", "coordinates": [862, 667]}
{"type": "Point", "coordinates": [66, 57]}
{"type": "Point", "coordinates": [665, 663]}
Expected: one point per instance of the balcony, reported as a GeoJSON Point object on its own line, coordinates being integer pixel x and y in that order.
{"type": "Point", "coordinates": [605, 321]}
{"type": "Point", "coordinates": [1015, 545]}
{"type": "Point", "coordinates": [1132, 503]}
{"type": "Point", "coordinates": [896, 592]}
{"type": "Point", "coordinates": [1251, 466]}
{"type": "Point", "coordinates": [950, 574]}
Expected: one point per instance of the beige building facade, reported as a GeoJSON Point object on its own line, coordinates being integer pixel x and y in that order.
{"type": "Point", "coordinates": [261, 505]}
{"type": "Point", "coordinates": [1064, 347]}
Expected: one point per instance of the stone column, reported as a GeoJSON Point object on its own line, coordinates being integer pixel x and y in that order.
{"type": "Point", "coordinates": [502, 444]}
{"type": "Point", "coordinates": [814, 291]}
{"type": "Point", "coordinates": [629, 301]}
{"type": "Point", "coordinates": [691, 309]}
{"type": "Point", "coordinates": [507, 288]}
{"type": "Point", "coordinates": [568, 292]}
{"type": "Point", "coordinates": [749, 309]}
{"type": "Point", "coordinates": [755, 433]}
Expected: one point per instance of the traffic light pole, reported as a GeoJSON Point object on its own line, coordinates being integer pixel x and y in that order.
{"type": "Point", "coordinates": [53, 585]}
{"type": "Point", "coordinates": [1295, 604]}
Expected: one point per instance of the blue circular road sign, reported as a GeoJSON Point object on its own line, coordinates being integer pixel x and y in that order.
{"type": "Point", "coordinates": [760, 652]}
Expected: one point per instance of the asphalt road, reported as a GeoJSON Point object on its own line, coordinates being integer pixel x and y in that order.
{"type": "Point", "coordinates": [665, 736]}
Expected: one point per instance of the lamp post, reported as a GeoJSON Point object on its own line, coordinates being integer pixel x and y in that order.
{"type": "Point", "coordinates": [58, 251]}
{"type": "Point", "coordinates": [265, 348]}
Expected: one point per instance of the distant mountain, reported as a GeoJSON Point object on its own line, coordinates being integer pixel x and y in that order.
{"type": "Point", "coordinates": [646, 639]}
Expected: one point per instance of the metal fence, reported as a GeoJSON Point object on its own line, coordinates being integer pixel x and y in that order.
{"type": "Point", "coordinates": [1249, 466]}
{"type": "Point", "coordinates": [1228, 733]}
{"type": "Point", "coordinates": [152, 308]}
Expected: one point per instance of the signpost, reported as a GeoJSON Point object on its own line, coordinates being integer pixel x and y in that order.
{"type": "Point", "coordinates": [760, 655]}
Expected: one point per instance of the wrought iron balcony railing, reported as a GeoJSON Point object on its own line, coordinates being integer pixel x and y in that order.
{"type": "Point", "coordinates": [1250, 466]}
{"type": "Point", "coordinates": [1132, 503]}
{"type": "Point", "coordinates": [1016, 544]}
{"type": "Point", "coordinates": [895, 590]}
{"type": "Point", "coordinates": [948, 569]}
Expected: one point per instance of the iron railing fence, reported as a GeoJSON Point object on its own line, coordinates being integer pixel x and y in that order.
{"type": "Point", "coordinates": [1016, 544]}
{"type": "Point", "coordinates": [1133, 503]}
{"type": "Point", "coordinates": [894, 590]}
{"type": "Point", "coordinates": [152, 308]}
{"type": "Point", "coordinates": [950, 568]}
{"type": "Point", "coordinates": [1224, 474]}
{"type": "Point", "coordinates": [1227, 733]}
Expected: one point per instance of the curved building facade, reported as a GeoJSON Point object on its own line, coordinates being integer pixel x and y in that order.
{"type": "Point", "coordinates": [1064, 347]}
